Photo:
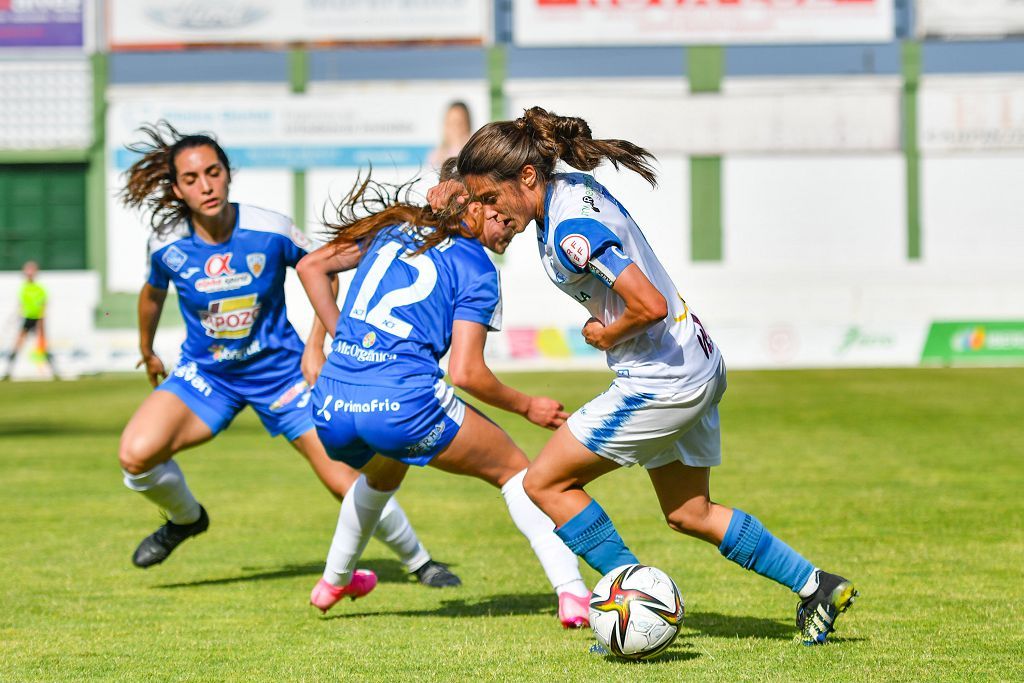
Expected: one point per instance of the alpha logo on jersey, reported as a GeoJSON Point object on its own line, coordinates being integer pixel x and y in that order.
{"type": "Point", "coordinates": [256, 261]}
{"type": "Point", "coordinates": [220, 276]}
{"type": "Point", "coordinates": [231, 318]}
{"type": "Point", "coordinates": [174, 258]}
{"type": "Point", "coordinates": [219, 264]}
{"type": "Point", "coordinates": [577, 249]}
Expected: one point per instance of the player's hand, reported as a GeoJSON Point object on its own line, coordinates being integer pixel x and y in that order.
{"type": "Point", "coordinates": [593, 334]}
{"type": "Point", "coordinates": [546, 412]}
{"type": "Point", "coordinates": [155, 371]}
{"type": "Point", "coordinates": [441, 194]}
{"type": "Point", "coordinates": [313, 360]}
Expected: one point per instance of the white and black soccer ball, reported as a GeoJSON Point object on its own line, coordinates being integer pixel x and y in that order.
{"type": "Point", "coordinates": [636, 611]}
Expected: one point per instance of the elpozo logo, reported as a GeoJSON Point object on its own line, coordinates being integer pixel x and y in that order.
{"type": "Point", "coordinates": [202, 15]}
{"type": "Point", "coordinates": [231, 318]}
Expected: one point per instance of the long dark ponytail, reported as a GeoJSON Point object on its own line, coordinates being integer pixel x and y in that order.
{"type": "Point", "coordinates": [540, 139]}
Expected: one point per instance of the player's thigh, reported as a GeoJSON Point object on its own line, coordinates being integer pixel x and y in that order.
{"type": "Point", "coordinates": [383, 473]}
{"type": "Point", "coordinates": [481, 449]}
{"type": "Point", "coordinates": [336, 475]}
{"type": "Point", "coordinates": [565, 463]}
{"type": "Point", "coordinates": [160, 427]}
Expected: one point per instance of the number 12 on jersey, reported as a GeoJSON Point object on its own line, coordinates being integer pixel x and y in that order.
{"type": "Point", "coordinates": [381, 315]}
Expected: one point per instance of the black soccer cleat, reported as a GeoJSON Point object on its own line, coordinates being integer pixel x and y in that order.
{"type": "Point", "coordinates": [816, 616]}
{"type": "Point", "coordinates": [158, 546]}
{"type": "Point", "coordinates": [437, 575]}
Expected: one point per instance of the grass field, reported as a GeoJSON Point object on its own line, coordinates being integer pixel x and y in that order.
{"type": "Point", "coordinates": [908, 481]}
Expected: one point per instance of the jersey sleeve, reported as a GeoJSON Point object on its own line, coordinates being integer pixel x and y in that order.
{"type": "Point", "coordinates": [479, 297]}
{"type": "Point", "coordinates": [296, 246]}
{"type": "Point", "coordinates": [157, 276]}
{"type": "Point", "coordinates": [588, 245]}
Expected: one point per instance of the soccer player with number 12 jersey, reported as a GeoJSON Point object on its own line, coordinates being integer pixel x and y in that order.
{"type": "Point", "coordinates": [227, 262]}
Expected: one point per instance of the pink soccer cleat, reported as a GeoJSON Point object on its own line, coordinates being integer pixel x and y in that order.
{"type": "Point", "coordinates": [326, 595]}
{"type": "Point", "coordinates": [574, 611]}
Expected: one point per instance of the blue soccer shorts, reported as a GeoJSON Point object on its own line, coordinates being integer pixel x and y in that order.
{"type": "Point", "coordinates": [282, 403]}
{"type": "Point", "coordinates": [410, 424]}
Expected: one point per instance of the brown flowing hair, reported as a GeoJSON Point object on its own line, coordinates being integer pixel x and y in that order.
{"type": "Point", "coordinates": [371, 206]}
{"type": "Point", "coordinates": [540, 139]}
{"type": "Point", "coordinates": [151, 179]}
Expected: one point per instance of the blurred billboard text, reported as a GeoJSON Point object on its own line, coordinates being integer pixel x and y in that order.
{"type": "Point", "coordinates": [615, 22]}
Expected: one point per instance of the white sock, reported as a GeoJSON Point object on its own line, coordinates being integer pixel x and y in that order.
{"type": "Point", "coordinates": [810, 586]}
{"type": "Point", "coordinates": [165, 486]}
{"type": "Point", "coordinates": [360, 513]}
{"type": "Point", "coordinates": [395, 531]}
{"type": "Point", "coordinates": [559, 563]}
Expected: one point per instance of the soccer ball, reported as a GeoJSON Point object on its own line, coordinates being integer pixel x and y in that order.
{"type": "Point", "coordinates": [635, 611]}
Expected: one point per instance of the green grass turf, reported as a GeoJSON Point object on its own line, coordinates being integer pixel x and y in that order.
{"type": "Point", "coordinates": [908, 481]}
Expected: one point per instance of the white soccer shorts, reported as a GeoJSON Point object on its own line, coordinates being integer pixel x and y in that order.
{"type": "Point", "coordinates": [633, 424]}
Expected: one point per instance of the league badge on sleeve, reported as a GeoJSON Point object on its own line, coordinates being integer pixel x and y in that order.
{"type": "Point", "coordinates": [256, 261]}
{"type": "Point", "coordinates": [577, 249]}
{"type": "Point", "coordinates": [300, 239]}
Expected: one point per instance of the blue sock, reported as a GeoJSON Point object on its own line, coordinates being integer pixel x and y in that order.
{"type": "Point", "coordinates": [750, 545]}
{"type": "Point", "coordinates": [592, 536]}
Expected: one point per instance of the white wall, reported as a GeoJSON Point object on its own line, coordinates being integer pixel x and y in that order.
{"type": "Point", "coordinates": [814, 268]}
{"type": "Point", "coordinates": [973, 210]}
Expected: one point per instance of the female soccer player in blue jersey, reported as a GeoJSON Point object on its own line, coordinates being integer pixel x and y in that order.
{"type": "Point", "coordinates": [227, 262]}
{"type": "Point", "coordinates": [661, 411]}
{"type": "Point", "coordinates": [423, 284]}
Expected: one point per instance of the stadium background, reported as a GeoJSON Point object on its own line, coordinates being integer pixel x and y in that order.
{"type": "Point", "coordinates": [840, 179]}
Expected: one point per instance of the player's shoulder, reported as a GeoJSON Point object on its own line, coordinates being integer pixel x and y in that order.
{"type": "Point", "coordinates": [579, 195]}
{"type": "Point", "coordinates": [467, 253]}
{"type": "Point", "coordinates": [257, 219]}
{"type": "Point", "coordinates": [167, 235]}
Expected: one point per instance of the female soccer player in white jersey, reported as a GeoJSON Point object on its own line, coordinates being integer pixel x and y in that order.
{"type": "Point", "coordinates": [423, 284]}
{"type": "Point", "coordinates": [227, 262]}
{"type": "Point", "coordinates": [662, 409]}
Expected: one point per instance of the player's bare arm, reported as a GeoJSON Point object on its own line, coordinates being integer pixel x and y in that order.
{"type": "Point", "coordinates": [468, 370]}
{"type": "Point", "coordinates": [645, 307]}
{"type": "Point", "coordinates": [317, 271]}
{"type": "Point", "coordinates": [151, 305]}
{"type": "Point", "coordinates": [313, 357]}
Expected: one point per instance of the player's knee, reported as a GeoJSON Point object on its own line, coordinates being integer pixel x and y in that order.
{"type": "Point", "coordinates": [692, 519]}
{"type": "Point", "coordinates": [533, 485]}
{"type": "Point", "coordinates": [137, 453]}
{"type": "Point", "coordinates": [539, 486]}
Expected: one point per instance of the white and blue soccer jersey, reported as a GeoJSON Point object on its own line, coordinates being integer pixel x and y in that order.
{"type": "Point", "coordinates": [232, 294]}
{"type": "Point", "coordinates": [586, 240]}
{"type": "Point", "coordinates": [396, 322]}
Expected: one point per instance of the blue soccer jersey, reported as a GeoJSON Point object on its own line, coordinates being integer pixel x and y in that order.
{"type": "Point", "coordinates": [396, 322]}
{"type": "Point", "coordinates": [232, 294]}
